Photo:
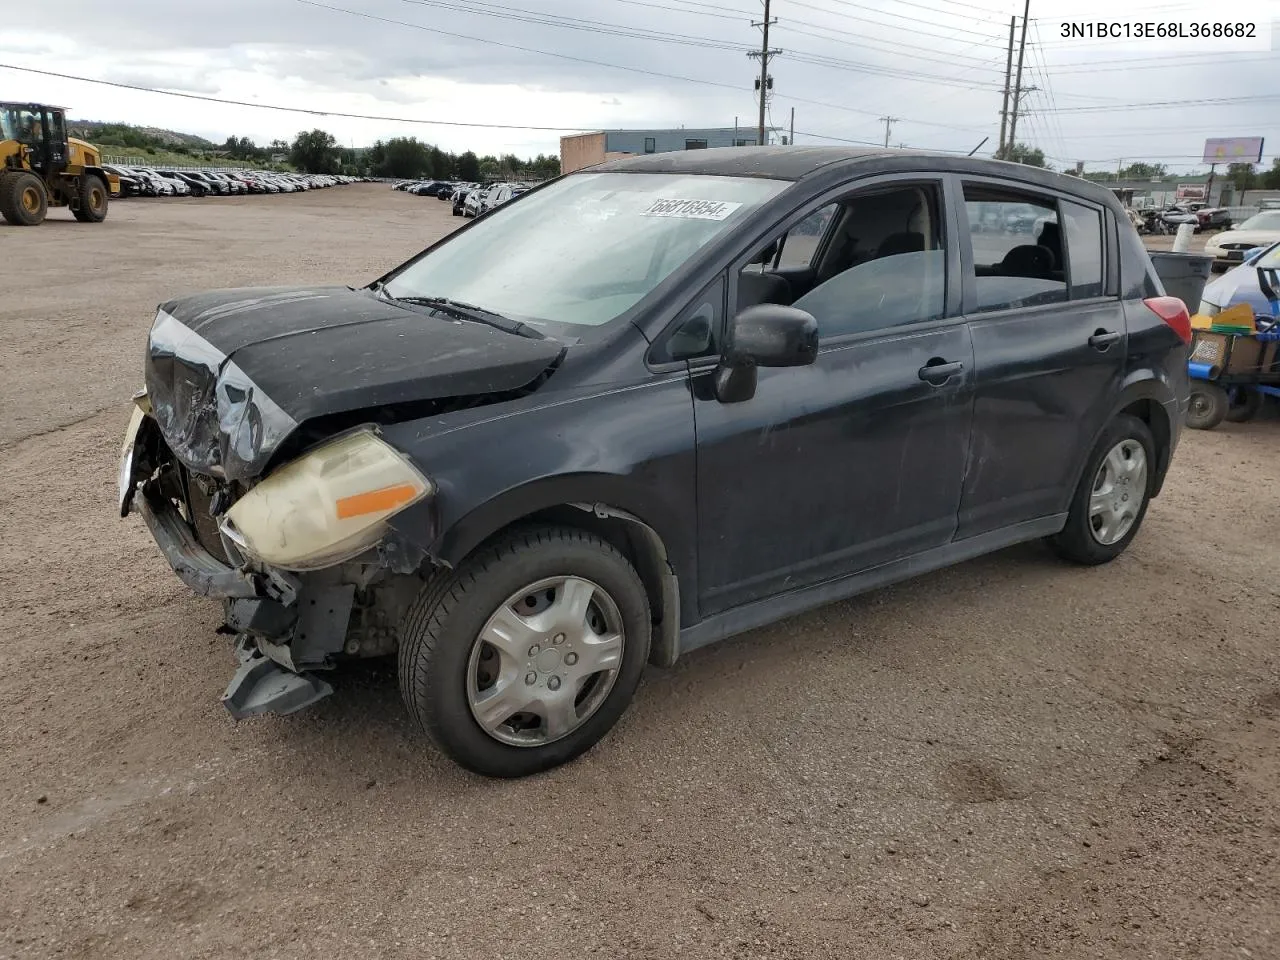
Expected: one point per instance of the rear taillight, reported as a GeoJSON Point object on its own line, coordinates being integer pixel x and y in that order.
{"type": "Point", "coordinates": [1173, 312]}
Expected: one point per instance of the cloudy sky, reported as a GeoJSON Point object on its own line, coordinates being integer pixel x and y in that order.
{"type": "Point", "coordinates": [567, 65]}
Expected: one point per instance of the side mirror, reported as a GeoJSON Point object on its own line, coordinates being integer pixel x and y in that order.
{"type": "Point", "coordinates": [766, 335]}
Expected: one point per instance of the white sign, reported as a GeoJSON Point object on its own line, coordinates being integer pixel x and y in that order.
{"type": "Point", "coordinates": [692, 209]}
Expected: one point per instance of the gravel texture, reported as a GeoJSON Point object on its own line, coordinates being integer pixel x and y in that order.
{"type": "Point", "coordinates": [1011, 758]}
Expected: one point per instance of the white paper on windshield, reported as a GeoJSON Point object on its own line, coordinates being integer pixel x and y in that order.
{"type": "Point", "coordinates": [692, 209]}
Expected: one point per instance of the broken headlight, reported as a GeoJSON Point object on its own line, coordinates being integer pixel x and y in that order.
{"type": "Point", "coordinates": [326, 506]}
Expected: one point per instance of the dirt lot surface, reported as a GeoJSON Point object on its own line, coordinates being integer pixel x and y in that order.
{"type": "Point", "coordinates": [1011, 758]}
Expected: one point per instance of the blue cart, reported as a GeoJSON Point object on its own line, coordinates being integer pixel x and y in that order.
{"type": "Point", "coordinates": [1231, 376]}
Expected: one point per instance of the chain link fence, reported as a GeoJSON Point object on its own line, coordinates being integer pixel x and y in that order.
{"type": "Point", "coordinates": [188, 167]}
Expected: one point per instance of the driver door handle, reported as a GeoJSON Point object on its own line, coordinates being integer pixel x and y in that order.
{"type": "Point", "coordinates": [1103, 339]}
{"type": "Point", "coordinates": [938, 371]}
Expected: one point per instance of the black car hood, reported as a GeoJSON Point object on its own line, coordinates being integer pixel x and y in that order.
{"type": "Point", "coordinates": [232, 373]}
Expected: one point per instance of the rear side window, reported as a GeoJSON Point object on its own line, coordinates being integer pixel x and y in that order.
{"type": "Point", "coordinates": [1018, 256]}
{"type": "Point", "coordinates": [1084, 249]}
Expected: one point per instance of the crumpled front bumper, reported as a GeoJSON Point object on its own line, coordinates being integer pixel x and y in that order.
{"type": "Point", "coordinates": [287, 626]}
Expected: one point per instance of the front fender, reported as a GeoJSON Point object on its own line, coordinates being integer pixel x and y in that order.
{"type": "Point", "coordinates": [454, 543]}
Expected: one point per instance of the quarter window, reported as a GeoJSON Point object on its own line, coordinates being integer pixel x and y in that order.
{"type": "Point", "coordinates": [1018, 257]}
{"type": "Point", "coordinates": [1084, 249]}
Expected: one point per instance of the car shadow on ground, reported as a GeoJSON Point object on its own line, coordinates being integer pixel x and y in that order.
{"type": "Point", "coordinates": [364, 724]}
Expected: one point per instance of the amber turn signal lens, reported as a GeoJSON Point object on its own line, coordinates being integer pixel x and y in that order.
{"type": "Point", "coordinates": [375, 501]}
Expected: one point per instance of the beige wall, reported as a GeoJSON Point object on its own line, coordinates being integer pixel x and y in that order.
{"type": "Point", "coordinates": [581, 150]}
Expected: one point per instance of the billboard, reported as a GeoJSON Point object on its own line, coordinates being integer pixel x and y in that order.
{"type": "Point", "coordinates": [1233, 150]}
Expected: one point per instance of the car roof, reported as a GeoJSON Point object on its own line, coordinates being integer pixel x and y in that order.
{"type": "Point", "coordinates": [777, 163]}
{"type": "Point", "coordinates": [797, 163]}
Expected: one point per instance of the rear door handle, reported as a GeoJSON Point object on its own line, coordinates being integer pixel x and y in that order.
{"type": "Point", "coordinates": [938, 371]}
{"type": "Point", "coordinates": [1103, 339]}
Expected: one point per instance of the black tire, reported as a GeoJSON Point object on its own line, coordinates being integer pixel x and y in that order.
{"type": "Point", "coordinates": [1243, 405]}
{"type": "Point", "coordinates": [23, 199]}
{"type": "Point", "coordinates": [440, 628]}
{"type": "Point", "coordinates": [1208, 405]}
{"type": "Point", "coordinates": [94, 198]}
{"type": "Point", "coordinates": [1077, 541]}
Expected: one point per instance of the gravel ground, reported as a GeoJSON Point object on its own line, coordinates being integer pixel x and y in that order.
{"type": "Point", "coordinates": [1010, 758]}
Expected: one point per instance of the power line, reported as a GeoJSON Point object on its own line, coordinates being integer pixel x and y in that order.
{"type": "Point", "coordinates": [730, 15]}
{"type": "Point", "coordinates": [799, 56]}
{"type": "Point", "coordinates": [524, 15]}
{"type": "Point", "coordinates": [514, 46]}
{"type": "Point", "coordinates": [1165, 104]}
{"type": "Point", "coordinates": [1181, 61]}
{"type": "Point", "coordinates": [873, 113]}
{"type": "Point", "coordinates": [863, 44]}
{"type": "Point", "coordinates": [267, 106]}
{"type": "Point", "coordinates": [891, 26]}
{"type": "Point", "coordinates": [521, 15]}
{"type": "Point", "coordinates": [565, 56]}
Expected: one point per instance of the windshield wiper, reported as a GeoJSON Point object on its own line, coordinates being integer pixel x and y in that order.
{"type": "Point", "coordinates": [469, 311]}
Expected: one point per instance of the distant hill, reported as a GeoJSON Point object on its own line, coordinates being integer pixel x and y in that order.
{"type": "Point", "coordinates": [106, 133]}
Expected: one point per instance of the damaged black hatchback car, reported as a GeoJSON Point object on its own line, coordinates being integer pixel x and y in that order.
{"type": "Point", "coordinates": [642, 408]}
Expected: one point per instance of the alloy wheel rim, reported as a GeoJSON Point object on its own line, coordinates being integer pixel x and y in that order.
{"type": "Point", "coordinates": [545, 661]}
{"type": "Point", "coordinates": [1119, 490]}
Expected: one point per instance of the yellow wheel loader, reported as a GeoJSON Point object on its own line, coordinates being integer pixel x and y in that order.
{"type": "Point", "coordinates": [41, 167]}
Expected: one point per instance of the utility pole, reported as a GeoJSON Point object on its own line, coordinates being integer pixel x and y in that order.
{"type": "Point", "coordinates": [792, 141]}
{"type": "Point", "coordinates": [1008, 78]}
{"type": "Point", "coordinates": [888, 125]}
{"type": "Point", "coordinates": [765, 83]}
{"type": "Point", "coordinates": [1017, 83]}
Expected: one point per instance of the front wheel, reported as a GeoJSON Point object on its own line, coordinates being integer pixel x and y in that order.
{"type": "Point", "coordinates": [1111, 499]}
{"type": "Point", "coordinates": [1208, 405]}
{"type": "Point", "coordinates": [93, 200]}
{"type": "Point", "coordinates": [528, 654]}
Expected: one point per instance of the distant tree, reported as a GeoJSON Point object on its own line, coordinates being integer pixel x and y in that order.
{"type": "Point", "coordinates": [489, 167]}
{"type": "Point", "coordinates": [544, 167]}
{"type": "Point", "coordinates": [1023, 153]}
{"type": "Point", "coordinates": [1271, 179]}
{"type": "Point", "coordinates": [1143, 171]}
{"type": "Point", "coordinates": [314, 152]}
{"type": "Point", "coordinates": [1242, 176]}
{"type": "Point", "coordinates": [402, 157]}
{"type": "Point", "coordinates": [468, 168]}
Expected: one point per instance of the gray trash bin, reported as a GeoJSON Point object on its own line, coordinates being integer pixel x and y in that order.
{"type": "Point", "coordinates": [1183, 275]}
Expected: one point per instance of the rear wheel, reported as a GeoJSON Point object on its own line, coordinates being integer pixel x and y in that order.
{"type": "Point", "coordinates": [23, 200]}
{"type": "Point", "coordinates": [1243, 405]}
{"type": "Point", "coordinates": [93, 200]}
{"type": "Point", "coordinates": [528, 654]}
{"type": "Point", "coordinates": [1111, 499]}
{"type": "Point", "coordinates": [1208, 405]}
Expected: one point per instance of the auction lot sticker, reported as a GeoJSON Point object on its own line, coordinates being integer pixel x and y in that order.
{"type": "Point", "coordinates": [692, 209]}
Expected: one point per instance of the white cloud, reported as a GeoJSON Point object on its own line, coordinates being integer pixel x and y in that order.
{"type": "Point", "coordinates": [936, 66]}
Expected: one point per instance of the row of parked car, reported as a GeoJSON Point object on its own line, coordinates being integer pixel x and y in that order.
{"type": "Point", "coordinates": [469, 199]}
{"type": "Point", "coordinates": [158, 182]}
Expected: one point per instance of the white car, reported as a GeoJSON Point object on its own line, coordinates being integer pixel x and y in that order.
{"type": "Point", "coordinates": [1229, 247]}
